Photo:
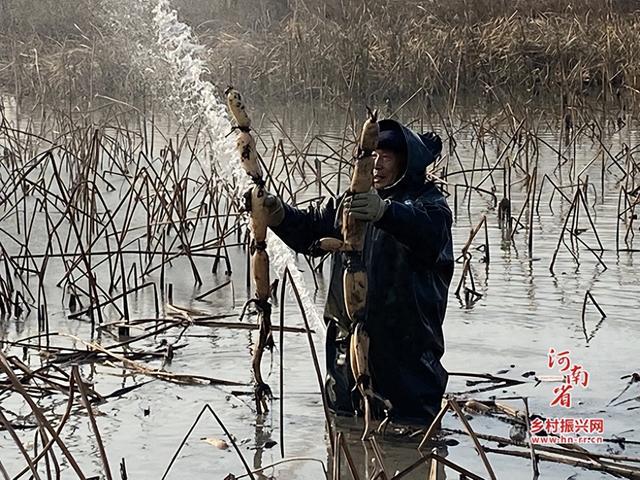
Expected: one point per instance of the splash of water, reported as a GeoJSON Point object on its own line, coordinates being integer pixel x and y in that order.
{"type": "Point", "coordinates": [192, 98]}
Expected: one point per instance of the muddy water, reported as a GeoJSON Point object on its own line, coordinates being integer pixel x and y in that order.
{"type": "Point", "coordinates": [524, 311]}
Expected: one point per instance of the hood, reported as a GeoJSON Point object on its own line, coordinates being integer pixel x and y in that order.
{"type": "Point", "coordinates": [419, 157]}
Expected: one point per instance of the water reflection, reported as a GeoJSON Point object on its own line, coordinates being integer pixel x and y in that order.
{"type": "Point", "coordinates": [394, 452]}
{"type": "Point", "coordinates": [262, 440]}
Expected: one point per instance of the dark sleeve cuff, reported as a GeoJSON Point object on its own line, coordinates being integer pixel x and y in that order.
{"type": "Point", "coordinates": [387, 220]}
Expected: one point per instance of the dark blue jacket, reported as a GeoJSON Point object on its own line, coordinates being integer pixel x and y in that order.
{"type": "Point", "coordinates": [409, 258]}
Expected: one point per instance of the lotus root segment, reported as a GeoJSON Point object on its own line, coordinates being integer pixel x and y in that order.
{"type": "Point", "coordinates": [237, 108]}
{"type": "Point", "coordinates": [353, 231]}
{"type": "Point", "coordinates": [246, 146]}
{"type": "Point", "coordinates": [260, 268]}
{"type": "Point", "coordinates": [330, 244]}
{"type": "Point", "coordinates": [359, 356]}
{"type": "Point", "coordinates": [259, 214]}
{"type": "Point", "coordinates": [362, 178]}
{"type": "Point", "coordinates": [355, 292]}
{"type": "Point", "coordinates": [369, 135]}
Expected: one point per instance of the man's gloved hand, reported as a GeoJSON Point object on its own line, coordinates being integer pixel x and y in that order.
{"type": "Point", "coordinates": [368, 207]}
{"type": "Point", "coordinates": [273, 206]}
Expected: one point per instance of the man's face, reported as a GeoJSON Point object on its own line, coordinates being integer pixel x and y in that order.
{"type": "Point", "coordinates": [387, 168]}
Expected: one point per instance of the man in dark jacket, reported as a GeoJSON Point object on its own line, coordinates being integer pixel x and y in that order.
{"type": "Point", "coordinates": [409, 258]}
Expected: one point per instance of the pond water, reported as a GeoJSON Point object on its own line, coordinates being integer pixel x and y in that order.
{"type": "Point", "coordinates": [524, 310]}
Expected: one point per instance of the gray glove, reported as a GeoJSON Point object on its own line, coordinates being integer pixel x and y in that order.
{"type": "Point", "coordinates": [273, 206]}
{"type": "Point", "coordinates": [368, 207]}
{"type": "Point", "coordinates": [275, 210]}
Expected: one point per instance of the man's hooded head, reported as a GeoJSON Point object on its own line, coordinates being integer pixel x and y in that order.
{"type": "Point", "coordinates": [402, 157]}
{"type": "Point", "coordinates": [391, 158]}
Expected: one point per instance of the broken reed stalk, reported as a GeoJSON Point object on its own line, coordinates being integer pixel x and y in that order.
{"type": "Point", "coordinates": [281, 376]}
{"type": "Point", "coordinates": [466, 256]}
{"type": "Point", "coordinates": [314, 357]}
{"type": "Point", "coordinates": [436, 470]}
{"type": "Point", "coordinates": [383, 473]}
{"type": "Point", "coordinates": [464, 473]}
{"type": "Point", "coordinates": [344, 448]}
{"type": "Point", "coordinates": [531, 202]}
{"type": "Point", "coordinates": [75, 372]}
{"type": "Point", "coordinates": [532, 450]}
{"type": "Point", "coordinates": [595, 304]}
{"type": "Point", "coordinates": [213, 290]}
{"type": "Point", "coordinates": [18, 443]}
{"type": "Point", "coordinates": [48, 460]}
{"type": "Point", "coordinates": [578, 199]}
{"type": "Point", "coordinates": [336, 464]}
{"type": "Point", "coordinates": [589, 337]}
{"type": "Point", "coordinates": [287, 460]}
{"type": "Point", "coordinates": [41, 419]}
{"type": "Point", "coordinates": [454, 405]}
{"type": "Point", "coordinates": [615, 470]}
{"type": "Point", "coordinates": [435, 424]}
{"type": "Point", "coordinates": [4, 472]}
{"type": "Point", "coordinates": [204, 409]}
{"type": "Point", "coordinates": [47, 448]}
{"type": "Point", "coordinates": [156, 373]}
{"type": "Point", "coordinates": [592, 460]}
{"type": "Point", "coordinates": [562, 449]}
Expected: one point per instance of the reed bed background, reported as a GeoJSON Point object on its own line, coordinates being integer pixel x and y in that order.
{"type": "Point", "coordinates": [330, 51]}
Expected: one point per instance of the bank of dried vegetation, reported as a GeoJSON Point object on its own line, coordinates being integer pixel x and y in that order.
{"type": "Point", "coordinates": [329, 51]}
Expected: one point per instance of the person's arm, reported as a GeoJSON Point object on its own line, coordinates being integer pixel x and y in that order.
{"type": "Point", "coordinates": [423, 226]}
{"type": "Point", "coordinates": [300, 229]}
